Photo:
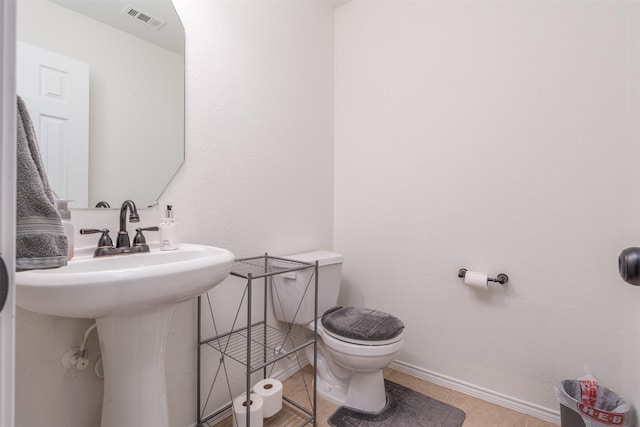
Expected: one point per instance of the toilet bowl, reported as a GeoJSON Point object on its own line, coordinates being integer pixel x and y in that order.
{"type": "Point", "coordinates": [353, 344]}
{"type": "Point", "coordinates": [364, 363]}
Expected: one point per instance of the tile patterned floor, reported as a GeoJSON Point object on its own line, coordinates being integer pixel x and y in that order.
{"type": "Point", "coordinates": [479, 412]}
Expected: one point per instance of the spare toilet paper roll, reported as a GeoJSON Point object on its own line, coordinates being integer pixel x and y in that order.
{"type": "Point", "coordinates": [476, 279]}
{"type": "Point", "coordinates": [271, 392]}
{"type": "Point", "coordinates": [240, 410]}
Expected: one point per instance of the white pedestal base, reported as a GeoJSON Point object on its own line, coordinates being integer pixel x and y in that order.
{"type": "Point", "coordinates": [133, 351]}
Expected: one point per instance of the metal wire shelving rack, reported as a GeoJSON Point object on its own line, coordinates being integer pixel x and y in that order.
{"type": "Point", "coordinates": [260, 345]}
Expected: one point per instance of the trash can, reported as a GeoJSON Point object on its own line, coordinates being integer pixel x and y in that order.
{"type": "Point", "coordinates": [585, 403]}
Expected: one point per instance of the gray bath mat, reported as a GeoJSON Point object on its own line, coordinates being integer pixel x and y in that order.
{"type": "Point", "coordinates": [405, 407]}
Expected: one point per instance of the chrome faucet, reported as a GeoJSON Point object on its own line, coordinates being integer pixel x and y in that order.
{"type": "Point", "coordinates": [123, 236]}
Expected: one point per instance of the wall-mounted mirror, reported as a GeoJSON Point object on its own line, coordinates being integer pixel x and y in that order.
{"type": "Point", "coordinates": [132, 101]}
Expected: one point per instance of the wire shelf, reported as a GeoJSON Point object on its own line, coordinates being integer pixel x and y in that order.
{"type": "Point", "coordinates": [259, 344]}
{"type": "Point", "coordinates": [288, 416]}
{"type": "Point", "coordinates": [268, 344]}
{"type": "Point", "coordinates": [263, 266]}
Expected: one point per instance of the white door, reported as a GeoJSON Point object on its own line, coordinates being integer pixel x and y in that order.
{"type": "Point", "coordinates": [55, 89]}
{"type": "Point", "coordinates": [7, 211]}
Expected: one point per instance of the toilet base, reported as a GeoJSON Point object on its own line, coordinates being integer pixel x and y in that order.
{"type": "Point", "coordinates": [336, 394]}
{"type": "Point", "coordinates": [329, 386]}
{"type": "Point", "coordinates": [366, 392]}
{"type": "Point", "coordinates": [363, 392]}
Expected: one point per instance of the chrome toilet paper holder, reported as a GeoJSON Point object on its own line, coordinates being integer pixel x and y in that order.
{"type": "Point", "coordinates": [502, 278]}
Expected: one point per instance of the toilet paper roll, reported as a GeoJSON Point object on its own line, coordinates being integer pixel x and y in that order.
{"type": "Point", "coordinates": [476, 280]}
{"type": "Point", "coordinates": [271, 392]}
{"type": "Point", "coordinates": [240, 410]}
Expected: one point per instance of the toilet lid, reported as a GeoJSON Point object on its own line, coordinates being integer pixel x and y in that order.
{"type": "Point", "coordinates": [362, 324]}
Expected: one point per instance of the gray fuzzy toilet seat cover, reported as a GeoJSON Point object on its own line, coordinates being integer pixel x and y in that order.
{"type": "Point", "coordinates": [362, 323]}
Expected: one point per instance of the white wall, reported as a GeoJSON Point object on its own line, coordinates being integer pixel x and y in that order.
{"type": "Point", "coordinates": [499, 137]}
{"type": "Point", "coordinates": [631, 348]}
{"type": "Point", "coordinates": [127, 76]}
{"type": "Point", "coordinates": [259, 159]}
{"type": "Point", "coordinates": [257, 177]}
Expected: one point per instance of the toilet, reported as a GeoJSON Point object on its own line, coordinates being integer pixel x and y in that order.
{"type": "Point", "coordinates": [354, 344]}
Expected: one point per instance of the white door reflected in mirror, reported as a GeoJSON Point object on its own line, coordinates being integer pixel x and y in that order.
{"type": "Point", "coordinates": [55, 89]}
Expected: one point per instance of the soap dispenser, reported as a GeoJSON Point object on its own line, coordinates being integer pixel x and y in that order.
{"type": "Point", "coordinates": [168, 231]}
{"type": "Point", "coordinates": [67, 226]}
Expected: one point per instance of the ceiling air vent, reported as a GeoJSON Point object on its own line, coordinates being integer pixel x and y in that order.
{"type": "Point", "coordinates": [143, 16]}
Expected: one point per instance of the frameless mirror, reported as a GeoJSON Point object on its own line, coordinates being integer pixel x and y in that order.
{"type": "Point", "coordinates": [104, 84]}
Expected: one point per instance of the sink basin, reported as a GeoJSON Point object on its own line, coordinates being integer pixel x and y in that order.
{"type": "Point", "coordinates": [98, 287]}
{"type": "Point", "coordinates": [132, 299]}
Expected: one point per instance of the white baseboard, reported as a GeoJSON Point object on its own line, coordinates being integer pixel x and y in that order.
{"type": "Point", "coordinates": [479, 392]}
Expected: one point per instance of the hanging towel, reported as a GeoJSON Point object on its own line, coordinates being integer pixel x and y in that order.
{"type": "Point", "coordinates": [40, 239]}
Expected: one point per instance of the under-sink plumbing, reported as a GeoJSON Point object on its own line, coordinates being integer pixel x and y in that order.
{"type": "Point", "coordinates": [77, 357]}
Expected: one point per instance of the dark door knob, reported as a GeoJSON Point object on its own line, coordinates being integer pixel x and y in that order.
{"type": "Point", "coordinates": [629, 265]}
{"type": "Point", "coordinates": [4, 284]}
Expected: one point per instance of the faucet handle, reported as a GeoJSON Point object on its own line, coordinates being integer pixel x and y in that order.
{"type": "Point", "coordinates": [105, 244]}
{"type": "Point", "coordinates": [139, 238]}
{"type": "Point", "coordinates": [104, 240]}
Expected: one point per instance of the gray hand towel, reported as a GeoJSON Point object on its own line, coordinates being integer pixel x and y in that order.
{"type": "Point", "coordinates": [40, 239]}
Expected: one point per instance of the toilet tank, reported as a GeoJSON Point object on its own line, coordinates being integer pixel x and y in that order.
{"type": "Point", "coordinates": [288, 289]}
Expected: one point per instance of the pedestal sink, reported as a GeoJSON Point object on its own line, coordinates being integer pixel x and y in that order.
{"type": "Point", "coordinates": [132, 299]}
